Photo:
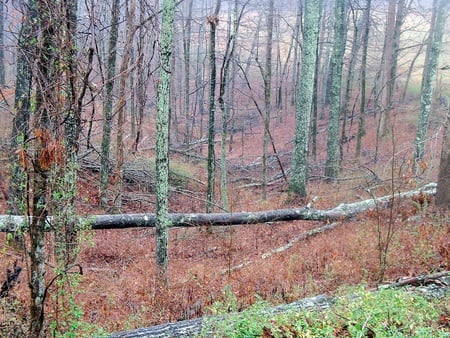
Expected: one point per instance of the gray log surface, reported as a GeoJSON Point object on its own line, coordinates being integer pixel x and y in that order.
{"type": "Point", "coordinates": [10, 223]}
{"type": "Point", "coordinates": [434, 285]}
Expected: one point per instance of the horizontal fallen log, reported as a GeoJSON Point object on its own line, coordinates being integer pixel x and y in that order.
{"type": "Point", "coordinates": [193, 327]}
{"type": "Point", "coordinates": [123, 221]}
{"type": "Point", "coordinates": [439, 287]}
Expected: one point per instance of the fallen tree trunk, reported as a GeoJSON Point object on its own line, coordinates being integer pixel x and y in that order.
{"type": "Point", "coordinates": [434, 286]}
{"type": "Point", "coordinates": [122, 221]}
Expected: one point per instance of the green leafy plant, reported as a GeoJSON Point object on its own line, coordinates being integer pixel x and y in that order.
{"type": "Point", "coordinates": [358, 313]}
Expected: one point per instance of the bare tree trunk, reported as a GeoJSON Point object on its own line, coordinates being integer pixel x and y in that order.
{"type": "Point", "coordinates": [2, 44]}
{"type": "Point", "coordinates": [187, 33]}
{"type": "Point", "coordinates": [346, 104]}
{"type": "Point", "coordinates": [267, 96]}
{"type": "Point", "coordinates": [213, 21]}
{"type": "Point", "coordinates": [443, 187]}
{"type": "Point", "coordinates": [121, 104]}
{"type": "Point", "coordinates": [142, 76]}
{"type": "Point", "coordinates": [223, 90]}
{"type": "Point", "coordinates": [108, 104]}
{"type": "Point", "coordinates": [362, 107]}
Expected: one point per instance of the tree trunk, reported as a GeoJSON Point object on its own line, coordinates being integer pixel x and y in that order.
{"type": "Point", "coordinates": [121, 104]}
{"type": "Point", "coordinates": [362, 107]}
{"type": "Point", "coordinates": [429, 75]}
{"type": "Point", "coordinates": [346, 104]}
{"type": "Point", "coordinates": [443, 187]}
{"type": "Point", "coordinates": [44, 109]}
{"type": "Point", "coordinates": [224, 106]}
{"type": "Point", "coordinates": [332, 161]}
{"type": "Point", "coordinates": [2, 44]}
{"type": "Point", "coordinates": [267, 96]}
{"type": "Point", "coordinates": [429, 284]}
{"type": "Point", "coordinates": [142, 77]}
{"type": "Point", "coordinates": [213, 21]}
{"type": "Point", "coordinates": [162, 139]}
{"type": "Point", "coordinates": [22, 103]}
{"type": "Point", "coordinates": [108, 104]}
{"type": "Point", "coordinates": [187, 36]}
{"type": "Point", "coordinates": [299, 167]}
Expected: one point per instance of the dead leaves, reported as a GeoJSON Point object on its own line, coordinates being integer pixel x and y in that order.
{"type": "Point", "coordinates": [50, 151]}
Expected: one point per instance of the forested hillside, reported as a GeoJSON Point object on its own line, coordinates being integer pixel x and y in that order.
{"type": "Point", "coordinates": [220, 111]}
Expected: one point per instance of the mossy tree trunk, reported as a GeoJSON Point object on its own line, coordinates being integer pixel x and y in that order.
{"type": "Point", "coordinates": [299, 168]}
{"type": "Point", "coordinates": [434, 47]}
{"type": "Point", "coordinates": [22, 103]}
{"type": "Point", "coordinates": [45, 106]}
{"type": "Point", "coordinates": [162, 139]}
{"type": "Point", "coordinates": [332, 160]}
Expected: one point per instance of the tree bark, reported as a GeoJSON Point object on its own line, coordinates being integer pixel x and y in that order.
{"type": "Point", "coordinates": [343, 211]}
{"type": "Point", "coordinates": [267, 96]}
{"type": "Point", "coordinates": [2, 44]}
{"type": "Point", "coordinates": [121, 104]}
{"type": "Point", "coordinates": [22, 103]}
{"type": "Point", "coordinates": [429, 75]}
{"type": "Point", "coordinates": [108, 104]}
{"type": "Point", "coordinates": [299, 168]}
{"type": "Point", "coordinates": [213, 21]}
{"type": "Point", "coordinates": [332, 161]}
{"type": "Point", "coordinates": [162, 140]}
{"type": "Point", "coordinates": [362, 109]}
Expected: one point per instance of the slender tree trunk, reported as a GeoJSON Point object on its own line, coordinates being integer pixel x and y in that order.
{"type": "Point", "coordinates": [299, 169]}
{"type": "Point", "coordinates": [108, 104]}
{"type": "Point", "coordinates": [429, 75]}
{"type": "Point", "coordinates": [443, 185]}
{"type": "Point", "coordinates": [141, 95]}
{"type": "Point", "coordinates": [295, 61]}
{"type": "Point", "coordinates": [267, 96]}
{"type": "Point", "coordinates": [2, 44]}
{"type": "Point", "coordinates": [22, 103]}
{"type": "Point", "coordinates": [224, 106]}
{"type": "Point", "coordinates": [66, 231]}
{"type": "Point", "coordinates": [44, 107]}
{"type": "Point", "coordinates": [346, 104]}
{"type": "Point", "coordinates": [162, 139]}
{"type": "Point", "coordinates": [213, 21]}
{"type": "Point", "coordinates": [332, 161]}
{"type": "Point", "coordinates": [187, 32]}
{"type": "Point", "coordinates": [121, 104]}
{"type": "Point", "coordinates": [362, 109]}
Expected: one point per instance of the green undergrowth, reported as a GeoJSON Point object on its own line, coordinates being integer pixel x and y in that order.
{"type": "Point", "coordinates": [385, 313]}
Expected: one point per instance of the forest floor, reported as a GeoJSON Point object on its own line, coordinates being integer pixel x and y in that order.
{"type": "Point", "coordinates": [117, 288]}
